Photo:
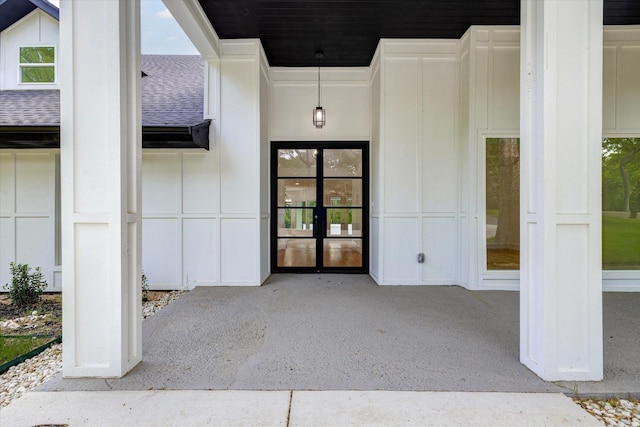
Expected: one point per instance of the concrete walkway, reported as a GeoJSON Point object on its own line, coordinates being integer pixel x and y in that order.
{"type": "Point", "coordinates": [298, 408]}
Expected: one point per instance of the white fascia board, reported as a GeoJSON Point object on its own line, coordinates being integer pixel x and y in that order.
{"type": "Point", "coordinates": [196, 25]}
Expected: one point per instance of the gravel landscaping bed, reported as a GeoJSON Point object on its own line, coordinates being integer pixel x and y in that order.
{"type": "Point", "coordinates": [33, 372]}
{"type": "Point", "coordinates": [613, 412]}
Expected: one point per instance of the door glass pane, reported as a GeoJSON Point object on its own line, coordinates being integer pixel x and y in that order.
{"type": "Point", "coordinates": [503, 203]}
{"type": "Point", "coordinates": [342, 253]}
{"type": "Point", "coordinates": [296, 252]}
{"type": "Point", "coordinates": [297, 162]}
{"type": "Point", "coordinates": [344, 222]}
{"type": "Point", "coordinates": [621, 203]}
{"type": "Point", "coordinates": [343, 192]}
{"type": "Point", "coordinates": [342, 162]}
{"type": "Point", "coordinates": [296, 192]}
{"type": "Point", "coordinates": [296, 222]}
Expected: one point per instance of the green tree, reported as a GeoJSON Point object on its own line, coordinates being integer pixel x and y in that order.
{"type": "Point", "coordinates": [621, 175]}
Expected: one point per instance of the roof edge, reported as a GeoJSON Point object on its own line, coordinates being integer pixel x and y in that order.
{"type": "Point", "coordinates": [47, 137]}
{"type": "Point", "coordinates": [48, 8]}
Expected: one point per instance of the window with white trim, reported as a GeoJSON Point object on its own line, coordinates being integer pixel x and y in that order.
{"type": "Point", "coordinates": [502, 203]}
{"type": "Point", "coordinates": [621, 203]}
{"type": "Point", "coordinates": [37, 64]}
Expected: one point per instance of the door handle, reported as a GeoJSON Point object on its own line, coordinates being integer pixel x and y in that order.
{"type": "Point", "coordinates": [315, 223]}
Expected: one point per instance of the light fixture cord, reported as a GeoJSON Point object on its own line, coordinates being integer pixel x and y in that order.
{"type": "Point", "coordinates": [319, 104]}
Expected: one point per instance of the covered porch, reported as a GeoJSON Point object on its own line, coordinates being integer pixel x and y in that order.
{"type": "Point", "coordinates": [343, 332]}
{"type": "Point", "coordinates": [425, 106]}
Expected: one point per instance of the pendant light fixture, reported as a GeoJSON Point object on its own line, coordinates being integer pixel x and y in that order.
{"type": "Point", "coordinates": [319, 115]}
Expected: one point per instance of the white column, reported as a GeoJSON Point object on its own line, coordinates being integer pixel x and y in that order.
{"type": "Point", "coordinates": [561, 131]}
{"type": "Point", "coordinates": [99, 66]}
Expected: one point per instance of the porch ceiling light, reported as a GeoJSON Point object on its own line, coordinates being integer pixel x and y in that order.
{"type": "Point", "coordinates": [319, 115]}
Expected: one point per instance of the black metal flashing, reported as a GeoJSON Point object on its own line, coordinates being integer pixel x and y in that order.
{"type": "Point", "coordinates": [39, 137]}
{"type": "Point", "coordinates": [29, 136]}
{"type": "Point", "coordinates": [196, 136]}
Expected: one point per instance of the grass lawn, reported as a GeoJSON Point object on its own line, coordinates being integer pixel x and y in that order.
{"type": "Point", "coordinates": [620, 243]}
{"type": "Point", "coordinates": [12, 347]}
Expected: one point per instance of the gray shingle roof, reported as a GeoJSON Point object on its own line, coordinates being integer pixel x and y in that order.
{"type": "Point", "coordinates": [29, 108]}
{"type": "Point", "coordinates": [172, 95]}
{"type": "Point", "coordinates": [173, 90]}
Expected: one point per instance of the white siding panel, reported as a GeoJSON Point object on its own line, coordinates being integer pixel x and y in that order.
{"type": "Point", "coordinates": [609, 88]}
{"type": "Point", "coordinates": [571, 278]}
{"type": "Point", "coordinates": [7, 182]}
{"type": "Point", "coordinates": [439, 172]}
{"type": "Point", "coordinates": [374, 266]}
{"type": "Point", "coordinates": [239, 257]}
{"type": "Point", "coordinates": [401, 135]}
{"type": "Point", "coordinates": [162, 251]}
{"type": "Point", "coordinates": [35, 183]}
{"type": "Point", "coordinates": [439, 246]}
{"type": "Point", "coordinates": [200, 251]}
{"type": "Point", "coordinates": [34, 243]}
{"type": "Point", "coordinates": [91, 295]}
{"type": "Point", "coordinates": [481, 87]}
{"type": "Point", "coordinates": [292, 105]}
{"type": "Point", "coordinates": [264, 249]}
{"type": "Point", "coordinates": [7, 248]}
{"type": "Point", "coordinates": [506, 88]}
{"type": "Point", "coordinates": [347, 107]}
{"type": "Point", "coordinates": [401, 243]}
{"type": "Point", "coordinates": [239, 146]}
{"type": "Point", "coordinates": [199, 186]}
{"type": "Point", "coordinates": [161, 182]}
{"type": "Point", "coordinates": [629, 88]}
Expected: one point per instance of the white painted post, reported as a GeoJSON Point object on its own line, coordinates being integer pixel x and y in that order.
{"type": "Point", "coordinates": [100, 179]}
{"type": "Point", "coordinates": [561, 131]}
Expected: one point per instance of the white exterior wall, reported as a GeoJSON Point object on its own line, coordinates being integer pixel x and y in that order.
{"type": "Point", "coordinates": [489, 106]}
{"type": "Point", "coordinates": [195, 202]}
{"type": "Point", "coordinates": [35, 29]}
{"type": "Point", "coordinates": [206, 213]}
{"type": "Point", "coordinates": [376, 176]}
{"type": "Point", "coordinates": [180, 226]}
{"type": "Point", "coordinates": [240, 168]}
{"type": "Point", "coordinates": [28, 213]}
{"type": "Point", "coordinates": [415, 162]}
{"type": "Point", "coordinates": [344, 95]}
{"type": "Point", "coordinates": [264, 170]}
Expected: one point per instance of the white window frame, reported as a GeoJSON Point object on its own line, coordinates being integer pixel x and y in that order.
{"type": "Point", "coordinates": [45, 64]}
{"type": "Point", "coordinates": [493, 279]}
{"type": "Point", "coordinates": [620, 280]}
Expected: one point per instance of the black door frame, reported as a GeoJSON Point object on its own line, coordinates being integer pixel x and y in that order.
{"type": "Point", "coordinates": [273, 240]}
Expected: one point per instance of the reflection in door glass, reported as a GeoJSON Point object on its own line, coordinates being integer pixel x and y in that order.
{"type": "Point", "coordinates": [344, 222]}
{"type": "Point", "coordinates": [343, 192]}
{"type": "Point", "coordinates": [342, 253]}
{"type": "Point", "coordinates": [296, 192]}
{"type": "Point", "coordinates": [297, 162]}
{"type": "Point", "coordinates": [296, 252]}
{"type": "Point", "coordinates": [295, 222]}
{"type": "Point", "coordinates": [342, 162]}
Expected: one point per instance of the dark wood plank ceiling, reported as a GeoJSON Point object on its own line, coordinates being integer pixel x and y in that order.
{"type": "Point", "coordinates": [348, 31]}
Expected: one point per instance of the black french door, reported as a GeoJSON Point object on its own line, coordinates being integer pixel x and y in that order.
{"type": "Point", "coordinates": [320, 207]}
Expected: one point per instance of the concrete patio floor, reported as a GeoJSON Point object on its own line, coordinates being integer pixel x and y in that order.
{"type": "Point", "coordinates": [343, 332]}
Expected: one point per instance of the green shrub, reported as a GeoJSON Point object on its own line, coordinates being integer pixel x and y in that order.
{"type": "Point", "coordinates": [145, 288]}
{"type": "Point", "coordinates": [25, 288]}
